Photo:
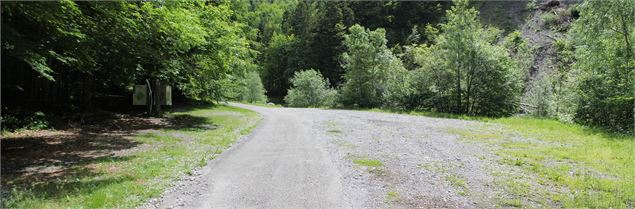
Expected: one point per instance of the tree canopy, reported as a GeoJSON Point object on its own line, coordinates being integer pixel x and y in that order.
{"type": "Point", "coordinates": [431, 56]}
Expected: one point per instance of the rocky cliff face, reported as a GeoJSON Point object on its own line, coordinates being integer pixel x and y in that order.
{"type": "Point", "coordinates": [541, 23]}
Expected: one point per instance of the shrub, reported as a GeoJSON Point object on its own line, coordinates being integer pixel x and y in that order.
{"type": "Point", "coordinates": [310, 89]}
{"type": "Point", "coordinates": [25, 121]}
{"type": "Point", "coordinates": [253, 91]}
{"type": "Point", "coordinates": [614, 113]}
{"type": "Point", "coordinates": [550, 19]}
{"type": "Point", "coordinates": [531, 5]}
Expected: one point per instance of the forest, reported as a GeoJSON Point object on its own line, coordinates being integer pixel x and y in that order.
{"type": "Point", "coordinates": [66, 56]}
{"type": "Point", "coordinates": [319, 104]}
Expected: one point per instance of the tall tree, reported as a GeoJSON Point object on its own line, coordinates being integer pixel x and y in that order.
{"type": "Point", "coordinates": [91, 46]}
{"type": "Point", "coordinates": [465, 69]}
{"type": "Point", "coordinates": [368, 64]}
{"type": "Point", "coordinates": [327, 43]}
{"type": "Point", "coordinates": [604, 37]}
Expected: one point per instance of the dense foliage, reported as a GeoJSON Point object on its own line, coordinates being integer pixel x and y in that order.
{"type": "Point", "coordinates": [466, 72]}
{"type": "Point", "coordinates": [310, 89]}
{"type": "Point", "coordinates": [368, 64]}
{"type": "Point", "coordinates": [605, 57]}
{"type": "Point", "coordinates": [393, 54]}
{"type": "Point", "coordinates": [482, 70]}
{"type": "Point", "coordinates": [194, 46]}
{"type": "Point", "coordinates": [313, 33]}
{"type": "Point", "coordinates": [253, 91]}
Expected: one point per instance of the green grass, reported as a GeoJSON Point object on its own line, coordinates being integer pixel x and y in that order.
{"type": "Point", "coordinates": [333, 128]}
{"type": "Point", "coordinates": [597, 168]}
{"type": "Point", "coordinates": [367, 162]}
{"type": "Point", "coordinates": [458, 183]}
{"type": "Point", "coordinates": [393, 196]}
{"type": "Point", "coordinates": [126, 182]}
{"type": "Point", "coordinates": [428, 114]}
{"type": "Point", "coordinates": [512, 203]}
{"type": "Point", "coordinates": [262, 104]}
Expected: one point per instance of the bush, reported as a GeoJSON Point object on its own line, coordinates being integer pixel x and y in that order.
{"type": "Point", "coordinates": [615, 114]}
{"type": "Point", "coordinates": [398, 92]}
{"type": "Point", "coordinates": [253, 91]}
{"type": "Point", "coordinates": [539, 96]}
{"type": "Point", "coordinates": [551, 20]}
{"type": "Point", "coordinates": [25, 121]}
{"type": "Point", "coordinates": [310, 89]}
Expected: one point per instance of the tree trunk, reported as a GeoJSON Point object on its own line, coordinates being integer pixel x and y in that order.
{"type": "Point", "coordinates": [87, 94]}
{"type": "Point", "coordinates": [459, 107]}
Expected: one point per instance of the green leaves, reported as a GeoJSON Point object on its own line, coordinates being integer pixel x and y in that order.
{"type": "Point", "coordinates": [466, 71]}
{"type": "Point", "coordinates": [310, 89]}
{"type": "Point", "coordinates": [368, 64]}
{"type": "Point", "coordinates": [253, 92]}
{"type": "Point", "coordinates": [604, 40]}
{"type": "Point", "coordinates": [193, 45]}
{"type": "Point", "coordinates": [38, 63]}
{"type": "Point", "coordinates": [38, 32]}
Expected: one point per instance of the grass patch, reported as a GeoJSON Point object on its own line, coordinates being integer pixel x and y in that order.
{"type": "Point", "coordinates": [164, 155]}
{"type": "Point", "coordinates": [597, 168]}
{"type": "Point", "coordinates": [393, 196]}
{"type": "Point", "coordinates": [458, 183]}
{"type": "Point", "coordinates": [344, 143]}
{"type": "Point", "coordinates": [262, 104]}
{"type": "Point", "coordinates": [512, 203]}
{"type": "Point", "coordinates": [367, 162]}
{"type": "Point", "coordinates": [333, 128]}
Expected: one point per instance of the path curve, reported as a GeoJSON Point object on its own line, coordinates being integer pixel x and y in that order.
{"type": "Point", "coordinates": [314, 158]}
{"type": "Point", "coordinates": [280, 165]}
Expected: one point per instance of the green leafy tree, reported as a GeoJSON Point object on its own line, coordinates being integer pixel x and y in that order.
{"type": "Point", "coordinates": [310, 89]}
{"type": "Point", "coordinates": [466, 72]}
{"type": "Point", "coordinates": [604, 36]}
{"type": "Point", "coordinates": [84, 47]}
{"type": "Point", "coordinates": [278, 66]}
{"type": "Point", "coordinates": [368, 64]}
{"type": "Point", "coordinates": [432, 82]}
{"type": "Point", "coordinates": [327, 40]}
{"type": "Point", "coordinates": [253, 91]}
{"type": "Point", "coordinates": [484, 84]}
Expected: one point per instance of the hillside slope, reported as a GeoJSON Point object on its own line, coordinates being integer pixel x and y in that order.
{"type": "Point", "coordinates": [541, 24]}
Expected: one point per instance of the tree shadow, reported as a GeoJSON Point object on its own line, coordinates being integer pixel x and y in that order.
{"type": "Point", "coordinates": [19, 154]}
{"type": "Point", "coordinates": [50, 164]}
{"type": "Point", "coordinates": [57, 164]}
{"type": "Point", "coordinates": [608, 134]}
{"type": "Point", "coordinates": [189, 123]}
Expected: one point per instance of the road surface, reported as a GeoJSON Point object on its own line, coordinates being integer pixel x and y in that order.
{"type": "Point", "coordinates": [309, 158]}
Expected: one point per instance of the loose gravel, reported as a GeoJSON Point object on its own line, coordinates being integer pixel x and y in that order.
{"type": "Point", "coordinates": [423, 164]}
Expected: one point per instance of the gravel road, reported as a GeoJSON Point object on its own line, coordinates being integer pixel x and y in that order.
{"type": "Point", "coordinates": [304, 158]}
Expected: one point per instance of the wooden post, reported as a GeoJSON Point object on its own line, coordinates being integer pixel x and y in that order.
{"type": "Point", "coordinates": [149, 103]}
{"type": "Point", "coordinates": [157, 96]}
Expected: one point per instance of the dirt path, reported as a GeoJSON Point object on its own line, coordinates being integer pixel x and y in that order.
{"type": "Point", "coordinates": [281, 165]}
{"type": "Point", "coordinates": [309, 158]}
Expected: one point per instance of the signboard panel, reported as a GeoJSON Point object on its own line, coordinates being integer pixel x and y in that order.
{"type": "Point", "coordinates": [168, 95]}
{"type": "Point", "coordinates": [140, 95]}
